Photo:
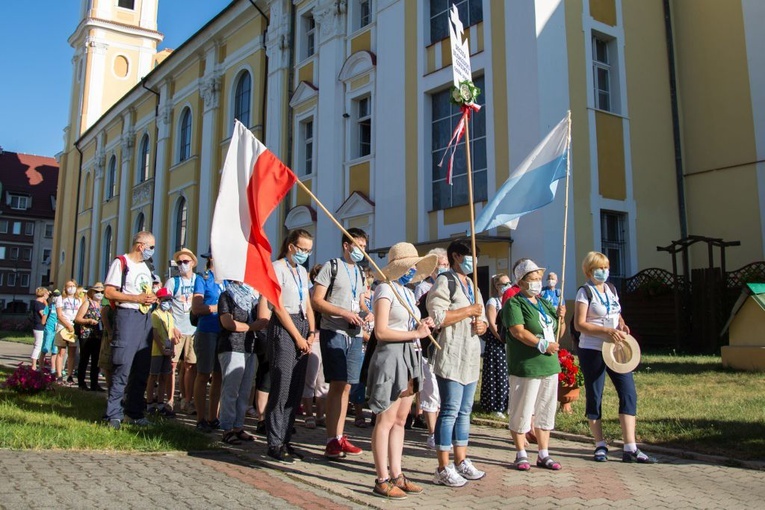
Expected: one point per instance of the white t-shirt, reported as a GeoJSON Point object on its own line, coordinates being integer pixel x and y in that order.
{"type": "Point", "coordinates": [137, 282]}
{"type": "Point", "coordinates": [69, 305]}
{"type": "Point", "coordinates": [603, 310]}
{"type": "Point", "coordinates": [182, 302]}
{"type": "Point", "coordinates": [398, 318]}
{"type": "Point", "coordinates": [290, 282]}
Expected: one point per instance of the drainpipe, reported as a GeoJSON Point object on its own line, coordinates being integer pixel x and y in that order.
{"type": "Point", "coordinates": [77, 201]}
{"type": "Point", "coordinates": [156, 143]}
{"type": "Point", "coordinates": [675, 121]}
{"type": "Point", "coordinates": [265, 74]}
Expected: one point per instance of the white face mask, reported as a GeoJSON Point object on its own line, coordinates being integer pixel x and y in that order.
{"type": "Point", "coordinates": [184, 268]}
{"type": "Point", "coordinates": [552, 283]}
{"type": "Point", "coordinates": [534, 289]}
{"type": "Point", "coordinates": [98, 296]}
{"type": "Point", "coordinates": [71, 290]}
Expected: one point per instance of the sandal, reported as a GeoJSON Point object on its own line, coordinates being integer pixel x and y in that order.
{"type": "Point", "coordinates": [549, 463]}
{"type": "Point", "coordinates": [230, 438]}
{"type": "Point", "coordinates": [601, 454]}
{"type": "Point", "coordinates": [522, 464]}
{"type": "Point", "coordinates": [245, 436]}
{"type": "Point", "coordinates": [310, 422]}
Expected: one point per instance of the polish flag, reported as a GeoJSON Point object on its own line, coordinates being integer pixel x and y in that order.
{"type": "Point", "coordinates": [252, 184]}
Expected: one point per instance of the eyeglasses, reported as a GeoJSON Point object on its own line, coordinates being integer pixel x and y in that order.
{"type": "Point", "coordinates": [150, 247]}
{"type": "Point", "coordinates": [184, 261]}
{"type": "Point", "coordinates": [302, 250]}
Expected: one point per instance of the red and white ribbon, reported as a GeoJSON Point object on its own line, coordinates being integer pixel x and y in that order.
{"type": "Point", "coordinates": [459, 131]}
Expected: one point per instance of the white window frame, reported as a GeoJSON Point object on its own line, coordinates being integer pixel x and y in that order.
{"type": "Point", "coordinates": [180, 222]}
{"type": "Point", "coordinates": [611, 66]}
{"type": "Point", "coordinates": [26, 254]}
{"type": "Point", "coordinates": [11, 280]}
{"type": "Point", "coordinates": [181, 155]}
{"type": "Point", "coordinates": [306, 155]}
{"type": "Point", "coordinates": [620, 245]}
{"type": "Point", "coordinates": [144, 159]}
{"type": "Point", "coordinates": [47, 235]}
{"type": "Point", "coordinates": [111, 177]}
{"type": "Point", "coordinates": [357, 14]}
{"type": "Point", "coordinates": [2, 252]}
{"type": "Point", "coordinates": [307, 35]}
{"type": "Point", "coordinates": [22, 278]}
{"type": "Point", "coordinates": [29, 229]}
{"type": "Point", "coordinates": [16, 228]}
{"type": "Point", "coordinates": [234, 89]}
{"type": "Point", "coordinates": [108, 241]}
{"type": "Point", "coordinates": [1, 283]}
{"type": "Point", "coordinates": [358, 124]}
{"type": "Point", "coordinates": [3, 226]}
{"type": "Point", "coordinates": [19, 202]}
{"type": "Point", "coordinates": [46, 255]}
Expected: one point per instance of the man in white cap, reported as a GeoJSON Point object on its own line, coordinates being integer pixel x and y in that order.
{"type": "Point", "coordinates": [182, 289]}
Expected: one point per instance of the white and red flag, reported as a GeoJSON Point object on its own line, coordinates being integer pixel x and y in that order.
{"type": "Point", "coordinates": [252, 184]}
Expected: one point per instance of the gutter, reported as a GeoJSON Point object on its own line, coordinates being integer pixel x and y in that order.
{"type": "Point", "coordinates": [156, 144]}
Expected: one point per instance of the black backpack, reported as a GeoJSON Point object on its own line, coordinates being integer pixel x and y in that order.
{"type": "Point", "coordinates": [575, 334]}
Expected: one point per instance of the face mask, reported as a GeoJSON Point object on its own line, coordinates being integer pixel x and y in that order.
{"type": "Point", "coordinates": [552, 283]}
{"type": "Point", "coordinates": [534, 288]}
{"type": "Point", "coordinates": [71, 290]}
{"type": "Point", "coordinates": [504, 288]}
{"type": "Point", "coordinates": [147, 253]}
{"type": "Point", "coordinates": [299, 257]}
{"type": "Point", "coordinates": [155, 289]}
{"type": "Point", "coordinates": [98, 296]}
{"type": "Point", "coordinates": [600, 275]}
{"type": "Point", "coordinates": [407, 277]}
{"type": "Point", "coordinates": [442, 270]}
{"type": "Point", "coordinates": [164, 306]}
{"type": "Point", "coordinates": [467, 264]}
{"type": "Point", "coordinates": [357, 255]}
{"type": "Point", "coordinates": [184, 268]}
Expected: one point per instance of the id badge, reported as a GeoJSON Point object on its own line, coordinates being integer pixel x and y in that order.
{"type": "Point", "coordinates": [355, 307]}
{"type": "Point", "coordinates": [549, 334]}
{"type": "Point", "coordinates": [612, 321]}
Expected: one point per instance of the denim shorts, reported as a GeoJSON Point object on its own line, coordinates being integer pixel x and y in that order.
{"type": "Point", "coordinates": [342, 356]}
{"type": "Point", "coordinates": [205, 345]}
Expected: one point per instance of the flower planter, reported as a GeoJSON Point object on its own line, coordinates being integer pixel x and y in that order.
{"type": "Point", "coordinates": [566, 395]}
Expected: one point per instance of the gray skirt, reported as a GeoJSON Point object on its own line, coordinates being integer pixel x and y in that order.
{"type": "Point", "coordinates": [392, 365]}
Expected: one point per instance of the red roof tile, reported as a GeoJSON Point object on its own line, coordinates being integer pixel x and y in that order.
{"type": "Point", "coordinates": [34, 176]}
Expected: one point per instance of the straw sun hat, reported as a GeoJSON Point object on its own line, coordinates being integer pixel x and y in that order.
{"type": "Point", "coordinates": [402, 256]}
{"type": "Point", "coordinates": [622, 357]}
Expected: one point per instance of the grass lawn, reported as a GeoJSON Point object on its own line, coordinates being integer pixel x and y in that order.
{"type": "Point", "coordinates": [70, 419]}
{"type": "Point", "coordinates": [687, 402]}
{"type": "Point", "coordinates": [20, 337]}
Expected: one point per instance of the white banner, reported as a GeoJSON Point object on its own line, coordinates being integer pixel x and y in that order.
{"type": "Point", "coordinates": [460, 50]}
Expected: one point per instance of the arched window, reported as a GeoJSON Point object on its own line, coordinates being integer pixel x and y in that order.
{"type": "Point", "coordinates": [86, 194]}
{"type": "Point", "coordinates": [107, 248]}
{"type": "Point", "coordinates": [140, 222]}
{"type": "Point", "coordinates": [144, 166]}
{"type": "Point", "coordinates": [180, 224]}
{"type": "Point", "coordinates": [242, 98]}
{"type": "Point", "coordinates": [111, 178]}
{"type": "Point", "coordinates": [81, 261]}
{"type": "Point", "coordinates": [184, 149]}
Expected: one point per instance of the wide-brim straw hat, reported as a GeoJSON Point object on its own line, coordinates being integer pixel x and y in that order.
{"type": "Point", "coordinates": [187, 252]}
{"type": "Point", "coordinates": [622, 357]}
{"type": "Point", "coordinates": [98, 287]}
{"type": "Point", "coordinates": [402, 257]}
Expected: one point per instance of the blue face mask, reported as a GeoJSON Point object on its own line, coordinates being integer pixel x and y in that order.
{"type": "Point", "coordinates": [600, 275]}
{"type": "Point", "coordinates": [357, 255]}
{"type": "Point", "coordinates": [407, 277]}
{"type": "Point", "coordinates": [442, 270]}
{"type": "Point", "coordinates": [299, 257]}
{"type": "Point", "coordinates": [467, 264]}
{"type": "Point", "coordinates": [164, 305]}
{"type": "Point", "coordinates": [147, 253]}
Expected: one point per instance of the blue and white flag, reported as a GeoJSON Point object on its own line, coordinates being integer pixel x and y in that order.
{"type": "Point", "coordinates": [533, 184]}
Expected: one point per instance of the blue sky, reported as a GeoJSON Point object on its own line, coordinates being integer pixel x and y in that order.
{"type": "Point", "coordinates": [37, 65]}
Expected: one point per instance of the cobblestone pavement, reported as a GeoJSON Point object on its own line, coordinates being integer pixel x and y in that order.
{"type": "Point", "coordinates": [239, 476]}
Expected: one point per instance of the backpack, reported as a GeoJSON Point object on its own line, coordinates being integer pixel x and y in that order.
{"type": "Point", "coordinates": [575, 334]}
{"type": "Point", "coordinates": [332, 276]}
{"type": "Point", "coordinates": [452, 281]}
{"type": "Point", "coordinates": [125, 268]}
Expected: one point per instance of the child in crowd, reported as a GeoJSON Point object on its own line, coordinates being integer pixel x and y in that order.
{"type": "Point", "coordinates": [161, 354]}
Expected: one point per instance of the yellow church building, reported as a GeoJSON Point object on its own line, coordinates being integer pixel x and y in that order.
{"type": "Point", "coordinates": [667, 100]}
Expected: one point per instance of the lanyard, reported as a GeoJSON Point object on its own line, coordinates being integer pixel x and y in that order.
{"type": "Point", "coordinates": [410, 308]}
{"type": "Point", "coordinates": [605, 302]}
{"type": "Point", "coordinates": [467, 290]}
{"type": "Point", "coordinates": [298, 281]}
{"type": "Point", "coordinates": [354, 283]}
{"type": "Point", "coordinates": [545, 318]}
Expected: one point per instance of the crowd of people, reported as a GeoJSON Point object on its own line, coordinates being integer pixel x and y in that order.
{"type": "Point", "coordinates": [407, 343]}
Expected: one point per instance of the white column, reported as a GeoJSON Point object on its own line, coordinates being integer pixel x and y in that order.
{"type": "Point", "coordinates": [210, 91]}
{"type": "Point", "coordinates": [123, 224]}
{"type": "Point", "coordinates": [95, 215]}
{"type": "Point", "coordinates": [162, 148]}
{"type": "Point", "coordinates": [96, 73]}
{"type": "Point", "coordinates": [329, 133]}
{"type": "Point", "coordinates": [276, 139]}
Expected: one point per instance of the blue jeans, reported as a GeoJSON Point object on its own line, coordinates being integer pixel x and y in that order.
{"type": "Point", "coordinates": [594, 370]}
{"type": "Point", "coordinates": [237, 369]}
{"type": "Point", "coordinates": [453, 423]}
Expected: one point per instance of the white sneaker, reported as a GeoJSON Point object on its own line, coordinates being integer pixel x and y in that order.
{"type": "Point", "coordinates": [431, 442]}
{"type": "Point", "coordinates": [467, 470]}
{"type": "Point", "coordinates": [449, 477]}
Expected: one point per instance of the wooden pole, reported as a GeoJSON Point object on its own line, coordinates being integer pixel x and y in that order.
{"type": "Point", "coordinates": [565, 216]}
{"type": "Point", "coordinates": [471, 205]}
{"type": "Point", "coordinates": [366, 255]}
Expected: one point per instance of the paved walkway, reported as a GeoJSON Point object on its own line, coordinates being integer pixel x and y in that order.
{"type": "Point", "coordinates": [243, 476]}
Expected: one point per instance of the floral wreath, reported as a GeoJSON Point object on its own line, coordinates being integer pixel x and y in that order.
{"type": "Point", "coordinates": [465, 94]}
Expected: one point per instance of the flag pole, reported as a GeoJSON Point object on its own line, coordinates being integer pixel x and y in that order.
{"type": "Point", "coordinates": [565, 216]}
{"type": "Point", "coordinates": [366, 255]}
{"type": "Point", "coordinates": [470, 202]}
